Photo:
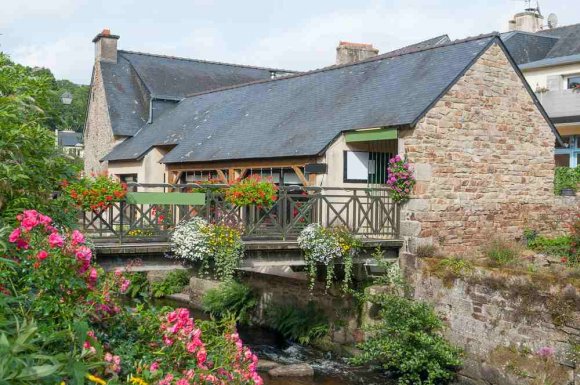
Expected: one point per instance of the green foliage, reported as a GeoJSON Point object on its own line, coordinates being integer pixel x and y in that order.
{"type": "Point", "coordinates": [298, 324]}
{"type": "Point", "coordinates": [173, 283]}
{"type": "Point", "coordinates": [559, 246]}
{"type": "Point", "coordinates": [31, 167]}
{"type": "Point", "coordinates": [72, 116]}
{"type": "Point", "coordinates": [566, 177]}
{"type": "Point", "coordinates": [230, 299]}
{"type": "Point", "coordinates": [448, 269]}
{"type": "Point", "coordinates": [501, 251]}
{"type": "Point", "coordinates": [408, 343]}
{"type": "Point", "coordinates": [139, 285]}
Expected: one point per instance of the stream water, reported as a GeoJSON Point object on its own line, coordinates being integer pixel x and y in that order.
{"type": "Point", "coordinates": [328, 370]}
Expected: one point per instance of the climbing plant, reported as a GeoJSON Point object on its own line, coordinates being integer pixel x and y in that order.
{"type": "Point", "coordinates": [400, 179]}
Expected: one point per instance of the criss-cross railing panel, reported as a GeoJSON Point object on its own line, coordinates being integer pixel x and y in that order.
{"type": "Point", "coordinates": [366, 212]}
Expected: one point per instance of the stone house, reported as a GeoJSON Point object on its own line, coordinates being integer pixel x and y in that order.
{"type": "Point", "coordinates": [549, 58]}
{"type": "Point", "coordinates": [461, 112]}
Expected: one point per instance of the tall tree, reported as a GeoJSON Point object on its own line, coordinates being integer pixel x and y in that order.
{"type": "Point", "coordinates": [31, 167]}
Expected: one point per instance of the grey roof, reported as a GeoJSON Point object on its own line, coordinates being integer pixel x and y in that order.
{"type": "Point", "coordinates": [549, 43]}
{"type": "Point", "coordinates": [300, 115]}
{"type": "Point", "coordinates": [433, 42]}
{"type": "Point", "coordinates": [69, 138]}
{"type": "Point", "coordinates": [137, 78]}
{"type": "Point", "coordinates": [527, 47]}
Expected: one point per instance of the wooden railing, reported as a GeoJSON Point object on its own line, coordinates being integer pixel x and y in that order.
{"type": "Point", "coordinates": [366, 212]}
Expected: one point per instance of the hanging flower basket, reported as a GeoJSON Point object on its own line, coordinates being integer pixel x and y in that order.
{"type": "Point", "coordinates": [400, 179]}
{"type": "Point", "coordinates": [252, 190]}
{"type": "Point", "coordinates": [96, 193]}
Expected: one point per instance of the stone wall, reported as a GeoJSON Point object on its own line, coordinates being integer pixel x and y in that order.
{"type": "Point", "coordinates": [98, 132]}
{"type": "Point", "coordinates": [496, 315]}
{"type": "Point", "coordinates": [484, 161]}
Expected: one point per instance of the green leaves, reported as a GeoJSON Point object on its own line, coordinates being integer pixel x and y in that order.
{"type": "Point", "coordinates": [31, 166]}
{"type": "Point", "coordinates": [230, 299]}
{"type": "Point", "coordinates": [408, 343]}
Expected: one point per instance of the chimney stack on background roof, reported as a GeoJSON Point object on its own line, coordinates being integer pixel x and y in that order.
{"type": "Point", "coordinates": [106, 46]}
{"type": "Point", "coordinates": [352, 52]}
{"type": "Point", "coordinates": [531, 20]}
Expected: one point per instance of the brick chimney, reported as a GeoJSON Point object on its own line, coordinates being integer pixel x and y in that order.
{"type": "Point", "coordinates": [106, 46]}
{"type": "Point", "coordinates": [351, 52]}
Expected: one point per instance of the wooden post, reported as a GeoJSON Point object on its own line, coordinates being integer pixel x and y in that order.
{"type": "Point", "coordinates": [300, 175]}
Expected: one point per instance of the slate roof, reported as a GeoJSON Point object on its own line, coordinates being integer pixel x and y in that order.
{"type": "Point", "coordinates": [137, 77]}
{"type": "Point", "coordinates": [69, 138]}
{"type": "Point", "coordinates": [429, 43]}
{"type": "Point", "coordinates": [546, 44]}
{"type": "Point", "coordinates": [300, 115]}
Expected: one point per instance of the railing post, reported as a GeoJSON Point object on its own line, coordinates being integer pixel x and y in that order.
{"type": "Point", "coordinates": [121, 221]}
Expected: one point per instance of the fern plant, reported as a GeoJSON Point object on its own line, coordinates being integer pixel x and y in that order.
{"type": "Point", "coordinates": [303, 325]}
{"type": "Point", "coordinates": [173, 283]}
{"type": "Point", "coordinates": [230, 299]}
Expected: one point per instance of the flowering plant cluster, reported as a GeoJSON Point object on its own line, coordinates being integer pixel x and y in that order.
{"type": "Point", "coordinates": [400, 179]}
{"type": "Point", "coordinates": [200, 241]}
{"type": "Point", "coordinates": [49, 274]}
{"type": "Point", "coordinates": [328, 246]}
{"type": "Point", "coordinates": [252, 190]}
{"type": "Point", "coordinates": [201, 354]}
{"type": "Point", "coordinates": [95, 193]}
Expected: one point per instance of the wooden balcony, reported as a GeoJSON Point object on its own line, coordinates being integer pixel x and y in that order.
{"type": "Point", "coordinates": [368, 213]}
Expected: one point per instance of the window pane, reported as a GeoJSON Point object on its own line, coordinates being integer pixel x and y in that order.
{"type": "Point", "coordinates": [573, 82]}
{"type": "Point", "coordinates": [562, 160]}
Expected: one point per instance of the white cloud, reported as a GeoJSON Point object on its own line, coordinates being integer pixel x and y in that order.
{"type": "Point", "coordinates": [69, 58]}
{"type": "Point", "coordinates": [13, 11]}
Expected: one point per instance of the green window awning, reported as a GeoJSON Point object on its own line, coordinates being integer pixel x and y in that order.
{"type": "Point", "coordinates": [168, 198]}
{"type": "Point", "coordinates": [371, 135]}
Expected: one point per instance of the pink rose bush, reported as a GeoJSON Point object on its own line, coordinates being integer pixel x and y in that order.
{"type": "Point", "coordinates": [50, 275]}
{"type": "Point", "coordinates": [204, 353]}
{"type": "Point", "coordinates": [400, 179]}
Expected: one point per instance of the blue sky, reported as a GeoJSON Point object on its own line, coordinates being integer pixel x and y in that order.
{"type": "Point", "coordinates": [297, 34]}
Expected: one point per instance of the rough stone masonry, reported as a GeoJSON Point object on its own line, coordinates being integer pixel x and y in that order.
{"type": "Point", "coordinates": [484, 163]}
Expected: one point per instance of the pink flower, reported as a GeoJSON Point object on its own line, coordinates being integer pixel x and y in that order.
{"type": "Point", "coordinates": [154, 366]}
{"type": "Point", "coordinates": [44, 219]}
{"type": "Point", "coordinates": [15, 235]}
{"type": "Point", "coordinates": [55, 240]}
{"type": "Point", "coordinates": [42, 254]}
{"type": "Point", "coordinates": [182, 381]}
{"type": "Point", "coordinates": [117, 360]}
{"type": "Point", "coordinates": [77, 237]}
{"type": "Point", "coordinates": [167, 341]}
{"type": "Point", "coordinates": [125, 285]}
{"type": "Point", "coordinates": [108, 357]}
{"type": "Point", "coordinates": [201, 356]}
{"type": "Point", "coordinates": [83, 253]}
{"type": "Point", "coordinates": [546, 351]}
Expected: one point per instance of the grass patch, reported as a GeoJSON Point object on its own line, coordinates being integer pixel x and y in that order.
{"type": "Point", "coordinates": [501, 252]}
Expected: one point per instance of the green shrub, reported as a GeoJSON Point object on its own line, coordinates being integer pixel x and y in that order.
{"type": "Point", "coordinates": [173, 283]}
{"type": "Point", "coordinates": [298, 324]}
{"type": "Point", "coordinates": [501, 252]}
{"type": "Point", "coordinates": [559, 246]}
{"type": "Point", "coordinates": [566, 177]}
{"type": "Point", "coordinates": [449, 269]}
{"type": "Point", "coordinates": [230, 299]}
{"type": "Point", "coordinates": [408, 343]}
{"type": "Point", "coordinates": [139, 285]}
